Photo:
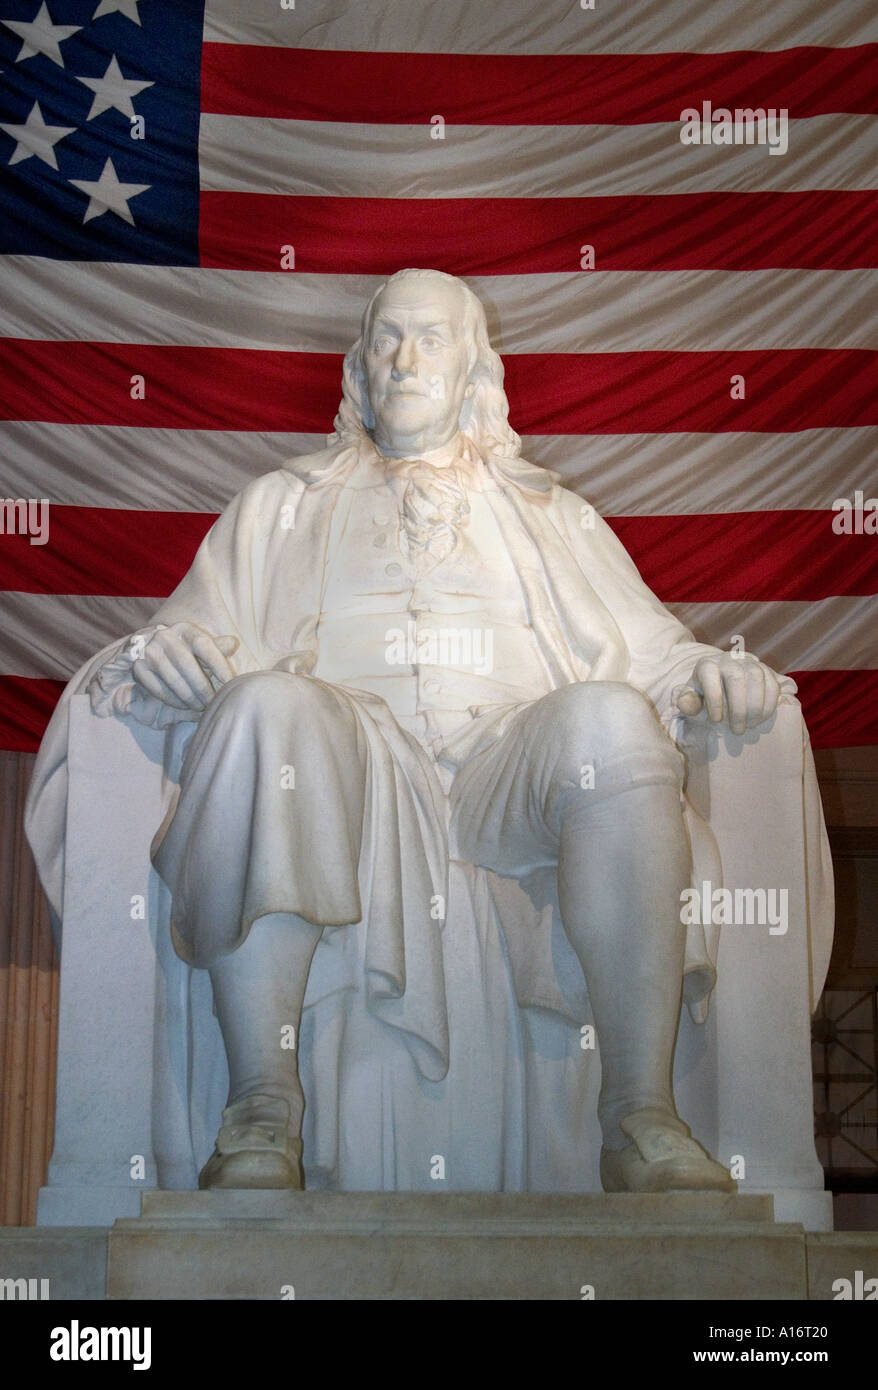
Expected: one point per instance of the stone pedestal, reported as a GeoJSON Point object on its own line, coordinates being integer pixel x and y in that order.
{"type": "Point", "coordinates": [348, 1246]}
{"type": "Point", "coordinates": [249, 1245]}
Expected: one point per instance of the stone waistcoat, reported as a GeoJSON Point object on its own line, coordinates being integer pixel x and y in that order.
{"type": "Point", "coordinates": [439, 642]}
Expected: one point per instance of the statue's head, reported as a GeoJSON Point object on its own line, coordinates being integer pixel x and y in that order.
{"type": "Point", "coordinates": [422, 368]}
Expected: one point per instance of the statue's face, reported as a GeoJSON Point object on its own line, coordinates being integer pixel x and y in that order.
{"type": "Point", "coordinates": [416, 363]}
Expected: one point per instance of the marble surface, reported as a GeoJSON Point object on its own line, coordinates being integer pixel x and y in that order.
{"type": "Point", "coordinates": [473, 1246]}
{"type": "Point", "coordinates": [223, 1245]}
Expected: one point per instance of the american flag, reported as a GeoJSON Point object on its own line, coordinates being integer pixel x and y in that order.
{"type": "Point", "coordinates": [198, 198]}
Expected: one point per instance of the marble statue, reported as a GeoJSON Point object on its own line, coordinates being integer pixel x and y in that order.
{"type": "Point", "coordinates": [410, 650]}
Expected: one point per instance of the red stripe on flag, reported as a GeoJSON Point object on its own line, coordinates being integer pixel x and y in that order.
{"type": "Point", "coordinates": [507, 236]}
{"type": "Point", "coordinates": [669, 392]}
{"type": "Point", "coordinates": [185, 387]}
{"type": "Point", "coordinates": [699, 559]}
{"type": "Point", "coordinates": [748, 555]}
{"type": "Point", "coordinates": [549, 393]}
{"type": "Point", "coordinates": [95, 550]}
{"type": "Point", "coordinates": [841, 708]}
{"type": "Point", "coordinates": [26, 706]}
{"type": "Point", "coordinates": [534, 89]}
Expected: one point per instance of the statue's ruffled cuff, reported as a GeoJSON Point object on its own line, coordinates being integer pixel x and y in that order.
{"type": "Point", "coordinates": [113, 691]}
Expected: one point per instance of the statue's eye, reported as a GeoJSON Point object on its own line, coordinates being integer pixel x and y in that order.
{"type": "Point", "coordinates": [380, 344]}
{"type": "Point", "coordinates": [429, 341]}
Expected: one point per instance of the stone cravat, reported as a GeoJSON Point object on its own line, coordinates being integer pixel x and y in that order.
{"type": "Point", "coordinates": [434, 506]}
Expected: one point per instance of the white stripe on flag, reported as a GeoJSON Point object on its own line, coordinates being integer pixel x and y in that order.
{"type": "Point", "coordinates": [699, 474]}
{"type": "Point", "coordinates": [831, 633]}
{"type": "Point", "coordinates": [620, 474]}
{"type": "Point", "coordinates": [390, 161]}
{"type": "Point", "coordinates": [51, 635]}
{"type": "Point", "coordinates": [609, 311]}
{"type": "Point", "coordinates": [553, 26]}
{"type": "Point", "coordinates": [150, 469]}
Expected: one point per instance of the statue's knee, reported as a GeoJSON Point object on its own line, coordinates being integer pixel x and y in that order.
{"type": "Point", "coordinates": [283, 700]}
{"type": "Point", "coordinates": [255, 690]}
{"type": "Point", "coordinates": [604, 735]}
{"type": "Point", "coordinates": [605, 706]}
{"type": "Point", "coordinates": [598, 722]}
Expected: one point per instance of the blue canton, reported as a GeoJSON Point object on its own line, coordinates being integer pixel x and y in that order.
{"type": "Point", "coordinates": [99, 115]}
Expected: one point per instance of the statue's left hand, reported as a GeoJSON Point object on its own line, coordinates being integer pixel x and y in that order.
{"type": "Point", "coordinates": [182, 665]}
{"type": "Point", "coordinates": [736, 687]}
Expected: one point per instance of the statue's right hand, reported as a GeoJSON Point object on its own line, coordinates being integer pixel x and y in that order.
{"type": "Point", "coordinates": [179, 664]}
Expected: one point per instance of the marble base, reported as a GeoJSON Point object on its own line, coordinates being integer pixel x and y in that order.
{"type": "Point", "coordinates": [65, 1264]}
{"type": "Point", "coordinates": [262, 1245]}
{"type": "Point", "coordinates": [242, 1245]}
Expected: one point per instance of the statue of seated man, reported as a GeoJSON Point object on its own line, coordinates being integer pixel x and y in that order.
{"type": "Point", "coordinates": [409, 648]}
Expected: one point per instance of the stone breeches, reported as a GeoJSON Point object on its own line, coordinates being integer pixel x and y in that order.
{"type": "Point", "coordinates": [303, 797]}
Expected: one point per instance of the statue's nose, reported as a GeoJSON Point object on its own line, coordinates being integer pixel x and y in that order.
{"type": "Point", "coordinates": [403, 363]}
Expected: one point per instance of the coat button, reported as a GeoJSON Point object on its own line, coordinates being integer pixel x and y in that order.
{"type": "Point", "coordinates": [380, 540]}
{"type": "Point", "coordinates": [393, 569]}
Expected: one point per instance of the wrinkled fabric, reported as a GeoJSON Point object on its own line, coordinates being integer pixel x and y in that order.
{"type": "Point", "coordinates": [327, 810]}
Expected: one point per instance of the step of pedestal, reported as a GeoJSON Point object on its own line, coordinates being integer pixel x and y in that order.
{"type": "Point", "coordinates": [259, 1245]}
{"type": "Point", "coordinates": [559, 1213]}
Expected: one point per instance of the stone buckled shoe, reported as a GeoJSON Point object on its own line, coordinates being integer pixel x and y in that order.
{"type": "Point", "coordinates": [255, 1148]}
{"type": "Point", "coordinates": [663, 1157]}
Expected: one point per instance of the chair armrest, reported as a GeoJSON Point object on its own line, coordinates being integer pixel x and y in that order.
{"type": "Point", "coordinates": [763, 784]}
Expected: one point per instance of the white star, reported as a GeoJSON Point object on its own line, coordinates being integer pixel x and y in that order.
{"type": "Point", "coordinates": [113, 92]}
{"type": "Point", "coordinates": [41, 35]}
{"type": "Point", "coordinates": [107, 194]}
{"type": "Point", "coordinates": [126, 7]}
{"type": "Point", "coordinates": [36, 138]}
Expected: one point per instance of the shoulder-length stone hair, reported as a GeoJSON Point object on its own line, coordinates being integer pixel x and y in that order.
{"type": "Point", "coordinates": [484, 416]}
